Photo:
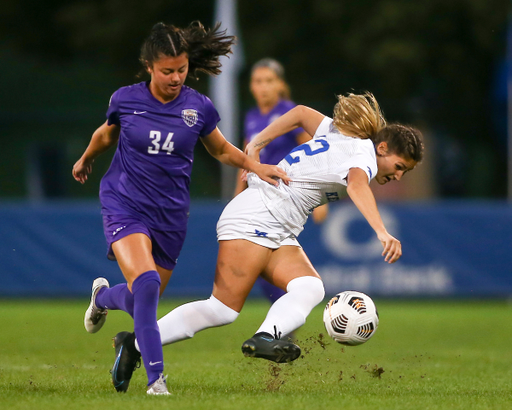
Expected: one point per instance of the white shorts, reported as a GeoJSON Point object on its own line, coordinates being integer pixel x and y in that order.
{"type": "Point", "coordinates": [247, 217]}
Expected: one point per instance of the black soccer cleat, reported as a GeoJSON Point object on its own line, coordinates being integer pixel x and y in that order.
{"type": "Point", "coordinates": [267, 347]}
{"type": "Point", "coordinates": [127, 360]}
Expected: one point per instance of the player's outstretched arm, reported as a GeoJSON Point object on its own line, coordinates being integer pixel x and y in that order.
{"type": "Point", "coordinates": [241, 182]}
{"type": "Point", "coordinates": [299, 116]}
{"type": "Point", "coordinates": [362, 196]}
{"type": "Point", "coordinates": [102, 139]}
{"type": "Point", "coordinates": [228, 154]}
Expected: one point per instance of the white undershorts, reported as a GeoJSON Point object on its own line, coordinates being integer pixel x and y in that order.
{"type": "Point", "coordinates": [247, 217]}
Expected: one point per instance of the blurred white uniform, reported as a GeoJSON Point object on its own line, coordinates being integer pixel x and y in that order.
{"type": "Point", "coordinates": [318, 170]}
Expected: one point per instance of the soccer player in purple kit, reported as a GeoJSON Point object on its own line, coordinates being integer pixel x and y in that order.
{"type": "Point", "coordinates": [272, 95]}
{"type": "Point", "coordinates": [145, 192]}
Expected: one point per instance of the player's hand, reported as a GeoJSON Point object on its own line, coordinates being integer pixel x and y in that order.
{"type": "Point", "coordinates": [271, 174]}
{"type": "Point", "coordinates": [392, 247]}
{"type": "Point", "coordinates": [81, 170]}
{"type": "Point", "coordinates": [252, 151]}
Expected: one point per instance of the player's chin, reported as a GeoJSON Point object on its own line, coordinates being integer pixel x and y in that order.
{"type": "Point", "coordinates": [383, 180]}
{"type": "Point", "coordinates": [174, 89]}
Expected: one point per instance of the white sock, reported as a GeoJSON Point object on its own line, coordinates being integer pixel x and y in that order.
{"type": "Point", "coordinates": [290, 311]}
{"type": "Point", "coordinates": [188, 319]}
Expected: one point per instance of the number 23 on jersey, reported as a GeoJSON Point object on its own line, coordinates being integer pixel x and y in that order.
{"type": "Point", "coordinates": [307, 150]}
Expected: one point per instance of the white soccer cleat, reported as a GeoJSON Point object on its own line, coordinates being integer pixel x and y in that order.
{"type": "Point", "coordinates": [94, 316]}
{"type": "Point", "coordinates": [159, 387]}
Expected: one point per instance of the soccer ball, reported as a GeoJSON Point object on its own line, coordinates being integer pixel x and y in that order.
{"type": "Point", "coordinates": [351, 318]}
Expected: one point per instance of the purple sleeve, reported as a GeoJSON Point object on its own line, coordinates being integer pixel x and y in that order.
{"type": "Point", "coordinates": [211, 117]}
{"type": "Point", "coordinates": [113, 109]}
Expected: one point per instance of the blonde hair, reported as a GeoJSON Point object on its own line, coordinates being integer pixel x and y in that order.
{"type": "Point", "coordinates": [358, 115]}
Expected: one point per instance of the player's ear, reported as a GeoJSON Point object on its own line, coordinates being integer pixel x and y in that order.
{"type": "Point", "coordinates": [149, 69]}
{"type": "Point", "coordinates": [382, 148]}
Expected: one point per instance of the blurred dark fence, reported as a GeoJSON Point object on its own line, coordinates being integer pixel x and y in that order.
{"type": "Point", "coordinates": [451, 249]}
{"type": "Point", "coordinates": [439, 65]}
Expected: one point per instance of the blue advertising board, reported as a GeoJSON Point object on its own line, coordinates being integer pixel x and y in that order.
{"type": "Point", "coordinates": [460, 249]}
{"type": "Point", "coordinates": [448, 249]}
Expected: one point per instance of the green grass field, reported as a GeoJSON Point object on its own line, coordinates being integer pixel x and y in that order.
{"type": "Point", "coordinates": [424, 355]}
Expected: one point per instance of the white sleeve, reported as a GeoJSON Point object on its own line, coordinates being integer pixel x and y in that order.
{"type": "Point", "coordinates": [323, 128]}
{"type": "Point", "coordinates": [361, 161]}
{"type": "Point", "coordinates": [364, 160]}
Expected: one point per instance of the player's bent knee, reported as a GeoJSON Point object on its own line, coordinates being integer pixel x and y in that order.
{"type": "Point", "coordinates": [311, 288]}
{"type": "Point", "coordinates": [196, 316]}
{"type": "Point", "coordinates": [222, 314]}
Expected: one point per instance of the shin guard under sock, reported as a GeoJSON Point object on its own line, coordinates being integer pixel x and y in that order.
{"type": "Point", "coordinates": [115, 298]}
{"type": "Point", "coordinates": [146, 289]}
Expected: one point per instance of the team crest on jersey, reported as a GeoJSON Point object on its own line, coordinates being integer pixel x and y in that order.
{"type": "Point", "coordinates": [189, 116]}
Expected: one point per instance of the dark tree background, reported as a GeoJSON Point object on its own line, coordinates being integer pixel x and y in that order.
{"type": "Point", "coordinates": [434, 64]}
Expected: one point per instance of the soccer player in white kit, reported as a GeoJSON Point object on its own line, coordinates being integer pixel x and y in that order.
{"type": "Point", "coordinates": [258, 229]}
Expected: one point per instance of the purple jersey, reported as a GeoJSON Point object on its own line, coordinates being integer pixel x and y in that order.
{"type": "Point", "coordinates": [255, 122]}
{"type": "Point", "coordinates": [150, 173]}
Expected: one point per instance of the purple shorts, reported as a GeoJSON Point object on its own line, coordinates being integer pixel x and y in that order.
{"type": "Point", "coordinates": [166, 244]}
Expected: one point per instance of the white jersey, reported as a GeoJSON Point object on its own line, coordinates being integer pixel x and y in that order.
{"type": "Point", "coordinates": [318, 170]}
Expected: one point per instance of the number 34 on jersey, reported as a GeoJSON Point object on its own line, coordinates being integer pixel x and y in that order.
{"type": "Point", "coordinates": [158, 145]}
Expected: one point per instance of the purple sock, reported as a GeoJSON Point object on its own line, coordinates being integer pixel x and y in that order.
{"type": "Point", "coordinates": [270, 291]}
{"type": "Point", "coordinates": [146, 289]}
{"type": "Point", "coordinates": [115, 298]}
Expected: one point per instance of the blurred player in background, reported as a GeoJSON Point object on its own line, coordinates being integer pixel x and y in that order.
{"type": "Point", "coordinates": [145, 193]}
{"type": "Point", "coordinates": [272, 95]}
{"type": "Point", "coordinates": [258, 229]}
